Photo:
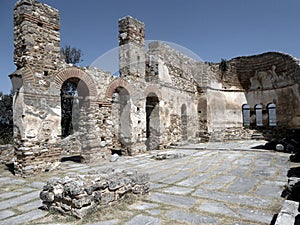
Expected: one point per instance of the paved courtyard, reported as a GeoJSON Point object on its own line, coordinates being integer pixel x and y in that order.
{"type": "Point", "coordinates": [214, 183]}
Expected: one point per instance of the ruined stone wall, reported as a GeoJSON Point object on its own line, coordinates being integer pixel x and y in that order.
{"type": "Point", "coordinates": [261, 79]}
{"type": "Point", "coordinates": [172, 117]}
{"type": "Point", "coordinates": [37, 85]}
{"type": "Point", "coordinates": [37, 57]}
{"type": "Point", "coordinates": [174, 69]}
{"type": "Point", "coordinates": [80, 195]}
{"type": "Point", "coordinates": [175, 75]}
{"type": "Point", "coordinates": [272, 78]}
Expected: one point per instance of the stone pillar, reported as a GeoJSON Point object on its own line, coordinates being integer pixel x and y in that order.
{"type": "Point", "coordinates": [131, 47]}
{"type": "Point", "coordinates": [37, 110]}
{"type": "Point", "coordinates": [92, 146]}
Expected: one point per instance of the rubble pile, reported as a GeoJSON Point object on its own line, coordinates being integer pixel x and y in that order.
{"type": "Point", "coordinates": [81, 195]}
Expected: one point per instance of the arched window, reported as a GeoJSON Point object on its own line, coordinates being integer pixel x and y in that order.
{"type": "Point", "coordinates": [246, 115]}
{"type": "Point", "coordinates": [73, 97]}
{"type": "Point", "coordinates": [272, 114]}
{"type": "Point", "coordinates": [258, 115]}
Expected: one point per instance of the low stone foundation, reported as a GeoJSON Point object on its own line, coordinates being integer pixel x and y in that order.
{"type": "Point", "coordinates": [80, 195]}
{"type": "Point", "coordinates": [31, 161]}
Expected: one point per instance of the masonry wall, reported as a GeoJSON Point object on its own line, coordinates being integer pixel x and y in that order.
{"type": "Point", "coordinates": [261, 79]}
{"type": "Point", "coordinates": [175, 75]}
{"type": "Point", "coordinates": [272, 78]}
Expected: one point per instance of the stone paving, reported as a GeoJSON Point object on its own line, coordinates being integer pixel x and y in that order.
{"type": "Point", "coordinates": [214, 183]}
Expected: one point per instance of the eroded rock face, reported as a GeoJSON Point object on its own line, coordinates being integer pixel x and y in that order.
{"type": "Point", "coordinates": [80, 195]}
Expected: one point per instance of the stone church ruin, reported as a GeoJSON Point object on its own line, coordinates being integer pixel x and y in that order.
{"type": "Point", "coordinates": [160, 98]}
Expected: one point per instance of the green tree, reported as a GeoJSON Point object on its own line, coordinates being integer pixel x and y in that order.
{"type": "Point", "coordinates": [71, 54]}
{"type": "Point", "coordinates": [223, 66]}
{"type": "Point", "coordinates": [6, 118]}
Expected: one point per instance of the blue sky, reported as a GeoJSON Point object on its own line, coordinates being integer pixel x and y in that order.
{"type": "Point", "coordinates": [212, 29]}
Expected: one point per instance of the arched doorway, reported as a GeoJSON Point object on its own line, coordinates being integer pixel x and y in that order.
{"type": "Point", "coordinates": [184, 123]}
{"type": "Point", "coordinates": [121, 108]}
{"type": "Point", "coordinates": [152, 122]}
{"type": "Point", "coordinates": [73, 94]}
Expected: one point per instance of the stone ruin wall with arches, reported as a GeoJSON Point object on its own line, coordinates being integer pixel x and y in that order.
{"type": "Point", "coordinates": [161, 97]}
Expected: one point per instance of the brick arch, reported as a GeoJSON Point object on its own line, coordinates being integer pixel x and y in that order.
{"type": "Point", "coordinates": [152, 89]}
{"type": "Point", "coordinates": [65, 74]}
{"type": "Point", "coordinates": [27, 75]}
{"type": "Point", "coordinates": [119, 82]}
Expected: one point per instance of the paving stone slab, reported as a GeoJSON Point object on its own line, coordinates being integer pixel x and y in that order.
{"type": "Point", "coordinates": [217, 208]}
{"type": "Point", "coordinates": [242, 184]}
{"type": "Point", "coordinates": [264, 172]}
{"type": "Point", "coordinates": [159, 175]}
{"type": "Point", "coordinates": [143, 206]}
{"type": "Point", "coordinates": [255, 215]}
{"type": "Point", "coordinates": [245, 161]}
{"type": "Point", "coordinates": [176, 200]}
{"type": "Point", "coordinates": [30, 206]}
{"type": "Point", "coordinates": [39, 185]}
{"type": "Point", "coordinates": [156, 186]}
{"type": "Point", "coordinates": [178, 190]}
{"type": "Point", "coordinates": [57, 224]}
{"type": "Point", "coordinates": [109, 222]}
{"type": "Point", "coordinates": [4, 179]}
{"type": "Point", "coordinates": [239, 171]}
{"type": "Point", "coordinates": [176, 177]}
{"type": "Point", "coordinates": [224, 179]}
{"type": "Point", "coordinates": [10, 194]}
{"type": "Point", "coordinates": [223, 167]}
{"type": "Point", "coordinates": [141, 219]}
{"type": "Point", "coordinates": [264, 161]}
{"type": "Point", "coordinates": [241, 223]}
{"type": "Point", "coordinates": [6, 213]}
{"type": "Point", "coordinates": [230, 157]}
{"type": "Point", "coordinates": [213, 186]}
{"type": "Point", "coordinates": [26, 189]}
{"type": "Point", "coordinates": [24, 218]}
{"type": "Point", "coordinates": [194, 180]}
{"type": "Point", "coordinates": [270, 188]}
{"type": "Point", "coordinates": [233, 198]}
{"type": "Point", "coordinates": [198, 153]}
{"type": "Point", "coordinates": [154, 212]}
{"type": "Point", "coordinates": [191, 217]}
{"type": "Point", "coordinates": [19, 200]}
{"type": "Point", "coordinates": [9, 180]}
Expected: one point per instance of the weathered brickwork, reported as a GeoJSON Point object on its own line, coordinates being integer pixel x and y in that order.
{"type": "Point", "coordinates": [161, 97]}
